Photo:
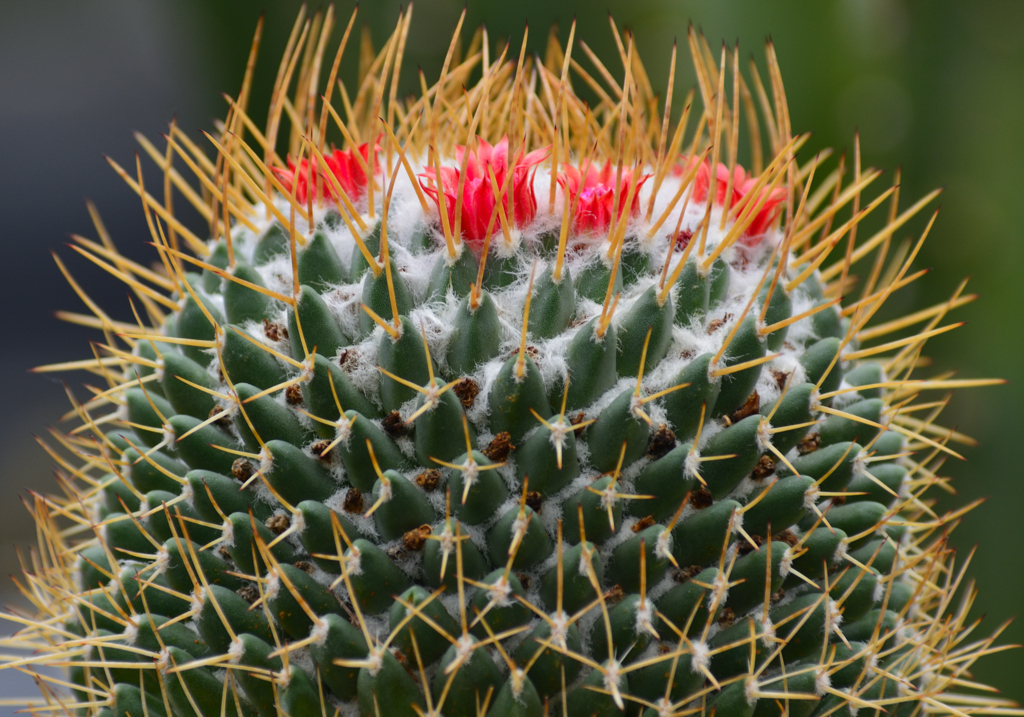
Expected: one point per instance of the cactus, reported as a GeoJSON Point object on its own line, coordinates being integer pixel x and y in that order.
{"type": "Point", "coordinates": [515, 406]}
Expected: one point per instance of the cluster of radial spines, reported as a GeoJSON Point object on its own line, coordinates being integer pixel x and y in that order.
{"type": "Point", "coordinates": [611, 150]}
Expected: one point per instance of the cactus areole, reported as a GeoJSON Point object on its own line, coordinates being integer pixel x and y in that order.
{"type": "Point", "coordinates": [504, 400]}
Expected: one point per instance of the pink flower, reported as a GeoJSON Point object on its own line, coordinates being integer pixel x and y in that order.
{"type": "Point", "coordinates": [345, 167]}
{"type": "Point", "coordinates": [477, 192]}
{"type": "Point", "coordinates": [597, 195]}
{"type": "Point", "coordinates": [741, 186]}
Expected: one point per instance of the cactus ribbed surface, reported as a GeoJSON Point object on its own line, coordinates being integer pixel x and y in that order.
{"type": "Point", "coordinates": [520, 404]}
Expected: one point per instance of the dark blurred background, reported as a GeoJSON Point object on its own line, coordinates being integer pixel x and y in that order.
{"type": "Point", "coordinates": [935, 87]}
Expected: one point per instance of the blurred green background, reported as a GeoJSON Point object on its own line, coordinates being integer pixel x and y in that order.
{"type": "Point", "coordinates": [935, 87]}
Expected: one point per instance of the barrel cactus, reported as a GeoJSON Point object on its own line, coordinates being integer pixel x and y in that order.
{"type": "Point", "coordinates": [521, 402]}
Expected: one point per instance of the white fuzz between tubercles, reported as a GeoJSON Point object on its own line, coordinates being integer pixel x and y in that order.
{"type": "Point", "coordinates": [284, 677]}
{"type": "Point", "coordinates": [927, 679]}
{"type": "Point", "coordinates": [737, 520]}
{"type": "Point", "coordinates": [298, 522]}
{"type": "Point", "coordinates": [167, 436]}
{"type": "Point", "coordinates": [273, 585]}
{"type": "Point", "coordinates": [733, 551]}
{"type": "Point", "coordinates": [811, 496]}
{"type": "Point", "coordinates": [822, 681]}
{"type": "Point", "coordinates": [235, 650]}
{"type": "Point", "coordinates": [559, 630]}
{"type": "Point", "coordinates": [768, 631]}
{"type": "Point", "coordinates": [432, 396]}
{"type": "Point", "coordinates": [663, 546]}
{"type": "Point", "coordinates": [229, 407]}
{"type": "Point", "coordinates": [701, 657]}
{"type": "Point", "coordinates": [691, 466]}
{"type": "Point", "coordinates": [163, 560]}
{"type": "Point", "coordinates": [560, 430]}
{"type": "Point", "coordinates": [464, 649]}
{"type": "Point", "coordinates": [860, 465]}
{"type": "Point", "coordinates": [308, 366]}
{"type": "Point", "coordinates": [353, 561]}
{"type": "Point", "coordinates": [635, 406]}
{"type": "Point", "coordinates": [227, 535]}
{"type": "Point", "coordinates": [903, 629]}
{"type": "Point", "coordinates": [878, 593]}
{"type": "Point", "coordinates": [375, 661]}
{"type": "Point", "coordinates": [266, 461]}
{"type": "Point", "coordinates": [815, 402]}
{"type": "Point", "coordinates": [608, 497]}
{"type": "Point", "coordinates": [342, 429]}
{"type": "Point", "coordinates": [507, 249]}
{"type": "Point", "coordinates": [586, 555]}
{"type": "Point", "coordinates": [763, 437]}
{"type": "Point", "coordinates": [519, 525]}
{"type": "Point", "coordinates": [665, 708]}
{"type": "Point", "coordinates": [833, 617]}
{"type": "Point", "coordinates": [163, 661]}
{"type": "Point", "coordinates": [751, 688]}
{"type": "Point", "coordinates": [719, 591]}
{"type": "Point", "coordinates": [131, 633]}
{"type": "Point", "coordinates": [198, 596]}
{"type": "Point", "coordinates": [786, 564]}
{"type": "Point", "coordinates": [518, 681]}
{"type": "Point", "coordinates": [612, 676]}
{"type": "Point", "coordinates": [470, 472]}
{"type": "Point", "coordinates": [841, 551]}
{"type": "Point", "coordinates": [499, 592]}
{"type": "Point", "coordinates": [644, 624]}
{"type": "Point", "coordinates": [447, 539]}
{"type": "Point", "coordinates": [319, 633]}
{"type": "Point", "coordinates": [853, 707]}
{"type": "Point", "coordinates": [903, 490]}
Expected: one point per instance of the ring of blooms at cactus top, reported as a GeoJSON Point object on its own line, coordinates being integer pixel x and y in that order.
{"type": "Point", "coordinates": [769, 202]}
{"type": "Point", "coordinates": [484, 164]}
{"type": "Point", "coordinates": [592, 192]}
{"type": "Point", "coordinates": [596, 192]}
{"type": "Point", "coordinates": [348, 170]}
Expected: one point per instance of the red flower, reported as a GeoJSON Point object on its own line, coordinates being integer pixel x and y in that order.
{"type": "Point", "coordinates": [741, 186]}
{"type": "Point", "coordinates": [597, 195]}
{"type": "Point", "coordinates": [343, 165]}
{"type": "Point", "coordinates": [477, 192]}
